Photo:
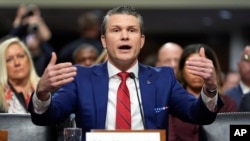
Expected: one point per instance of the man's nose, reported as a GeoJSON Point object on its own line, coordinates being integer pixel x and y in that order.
{"type": "Point", "coordinates": [88, 62]}
{"type": "Point", "coordinates": [124, 35]}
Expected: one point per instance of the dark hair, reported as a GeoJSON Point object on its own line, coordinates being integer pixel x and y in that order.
{"type": "Point", "coordinates": [122, 10]}
{"type": "Point", "coordinates": [210, 54]}
{"type": "Point", "coordinates": [83, 46]}
{"type": "Point", "coordinates": [87, 21]}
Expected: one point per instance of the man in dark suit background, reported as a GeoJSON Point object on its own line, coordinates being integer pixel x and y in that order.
{"type": "Point", "coordinates": [245, 104]}
{"type": "Point", "coordinates": [89, 30]}
{"type": "Point", "coordinates": [90, 92]}
{"type": "Point", "coordinates": [243, 87]}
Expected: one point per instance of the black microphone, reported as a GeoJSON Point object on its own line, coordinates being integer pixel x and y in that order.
{"type": "Point", "coordinates": [132, 76]}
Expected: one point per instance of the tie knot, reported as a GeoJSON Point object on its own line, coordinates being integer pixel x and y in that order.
{"type": "Point", "coordinates": [123, 75]}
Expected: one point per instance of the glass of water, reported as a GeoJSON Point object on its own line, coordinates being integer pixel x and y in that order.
{"type": "Point", "coordinates": [72, 134]}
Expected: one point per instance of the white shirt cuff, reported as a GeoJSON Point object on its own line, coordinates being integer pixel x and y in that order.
{"type": "Point", "coordinates": [40, 106]}
{"type": "Point", "coordinates": [211, 103]}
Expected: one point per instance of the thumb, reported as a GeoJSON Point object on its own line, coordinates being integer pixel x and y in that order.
{"type": "Point", "coordinates": [202, 52]}
{"type": "Point", "coordinates": [53, 59]}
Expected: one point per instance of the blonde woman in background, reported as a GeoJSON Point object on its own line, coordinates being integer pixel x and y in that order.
{"type": "Point", "coordinates": [18, 78]}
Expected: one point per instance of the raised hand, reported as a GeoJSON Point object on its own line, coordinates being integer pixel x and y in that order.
{"type": "Point", "coordinates": [203, 67]}
{"type": "Point", "coordinates": [54, 76]}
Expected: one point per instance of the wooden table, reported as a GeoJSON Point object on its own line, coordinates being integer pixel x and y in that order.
{"type": "Point", "coordinates": [3, 135]}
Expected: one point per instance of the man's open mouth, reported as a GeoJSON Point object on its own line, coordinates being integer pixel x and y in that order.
{"type": "Point", "coordinates": [125, 47]}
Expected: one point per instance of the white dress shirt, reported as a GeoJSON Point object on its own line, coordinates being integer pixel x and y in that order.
{"type": "Point", "coordinates": [114, 82]}
{"type": "Point", "coordinates": [245, 89]}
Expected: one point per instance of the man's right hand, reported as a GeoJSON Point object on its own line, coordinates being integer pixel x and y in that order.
{"type": "Point", "coordinates": [54, 76]}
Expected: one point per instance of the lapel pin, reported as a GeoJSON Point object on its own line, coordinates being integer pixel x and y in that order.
{"type": "Point", "coordinates": [148, 82]}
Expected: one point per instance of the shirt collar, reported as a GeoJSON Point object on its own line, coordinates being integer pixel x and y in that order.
{"type": "Point", "coordinates": [244, 88]}
{"type": "Point", "coordinates": [112, 70]}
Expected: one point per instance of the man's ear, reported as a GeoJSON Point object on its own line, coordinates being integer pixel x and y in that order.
{"type": "Point", "coordinates": [142, 40]}
{"type": "Point", "coordinates": [103, 39]}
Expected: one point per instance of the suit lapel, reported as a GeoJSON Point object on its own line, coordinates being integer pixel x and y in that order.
{"type": "Point", "coordinates": [147, 89]}
{"type": "Point", "coordinates": [100, 83]}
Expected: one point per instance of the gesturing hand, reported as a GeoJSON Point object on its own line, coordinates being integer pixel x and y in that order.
{"type": "Point", "coordinates": [54, 76]}
{"type": "Point", "coordinates": [203, 67]}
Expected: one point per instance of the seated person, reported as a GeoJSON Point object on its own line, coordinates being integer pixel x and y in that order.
{"type": "Point", "coordinates": [89, 30]}
{"type": "Point", "coordinates": [183, 131]}
{"type": "Point", "coordinates": [107, 96]}
{"type": "Point", "coordinates": [30, 27]}
{"type": "Point", "coordinates": [85, 55]}
{"type": "Point", "coordinates": [18, 76]}
{"type": "Point", "coordinates": [243, 87]}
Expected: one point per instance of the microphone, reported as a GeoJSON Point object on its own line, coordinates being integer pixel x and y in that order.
{"type": "Point", "coordinates": [132, 76]}
{"type": "Point", "coordinates": [72, 120]}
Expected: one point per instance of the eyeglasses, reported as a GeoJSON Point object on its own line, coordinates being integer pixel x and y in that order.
{"type": "Point", "coordinates": [246, 57]}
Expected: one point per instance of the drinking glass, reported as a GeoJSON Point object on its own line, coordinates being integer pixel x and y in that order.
{"type": "Point", "coordinates": [72, 134]}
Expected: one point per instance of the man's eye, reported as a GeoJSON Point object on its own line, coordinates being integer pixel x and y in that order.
{"type": "Point", "coordinates": [115, 30]}
{"type": "Point", "coordinates": [132, 30]}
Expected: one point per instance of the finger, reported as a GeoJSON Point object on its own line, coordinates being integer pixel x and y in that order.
{"type": "Point", "coordinates": [62, 66]}
{"type": "Point", "coordinates": [202, 52]}
{"type": "Point", "coordinates": [65, 70]}
{"type": "Point", "coordinates": [62, 79]}
{"type": "Point", "coordinates": [62, 73]}
{"type": "Point", "coordinates": [53, 59]}
{"type": "Point", "coordinates": [62, 82]}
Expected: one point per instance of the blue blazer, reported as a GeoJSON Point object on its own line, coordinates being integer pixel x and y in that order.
{"type": "Point", "coordinates": [87, 97]}
{"type": "Point", "coordinates": [244, 104]}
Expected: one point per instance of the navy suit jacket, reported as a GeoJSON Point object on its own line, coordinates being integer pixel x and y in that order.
{"type": "Point", "coordinates": [87, 97]}
{"type": "Point", "coordinates": [245, 104]}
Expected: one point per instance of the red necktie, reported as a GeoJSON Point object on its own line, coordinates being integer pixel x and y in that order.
{"type": "Point", "coordinates": [123, 114]}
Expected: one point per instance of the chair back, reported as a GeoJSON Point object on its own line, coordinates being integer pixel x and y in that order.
{"type": "Point", "coordinates": [219, 130]}
{"type": "Point", "coordinates": [21, 128]}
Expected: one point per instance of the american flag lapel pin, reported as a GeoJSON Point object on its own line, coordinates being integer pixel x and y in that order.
{"type": "Point", "coordinates": [148, 82]}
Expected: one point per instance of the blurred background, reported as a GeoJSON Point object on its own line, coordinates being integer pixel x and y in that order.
{"type": "Point", "coordinates": [222, 24]}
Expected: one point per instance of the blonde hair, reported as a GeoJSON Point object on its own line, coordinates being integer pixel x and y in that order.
{"type": "Point", "coordinates": [33, 77]}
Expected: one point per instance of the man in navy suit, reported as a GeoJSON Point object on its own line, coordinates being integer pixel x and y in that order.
{"type": "Point", "coordinates": [90, 92]}
{"type": "Point", "coordinates": [245, 104]}
{"type": "Point", "coordinates": [243, 87]}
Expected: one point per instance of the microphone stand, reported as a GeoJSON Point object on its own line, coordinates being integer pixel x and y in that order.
{"type": "Point", "coordinates": [132, 76]}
